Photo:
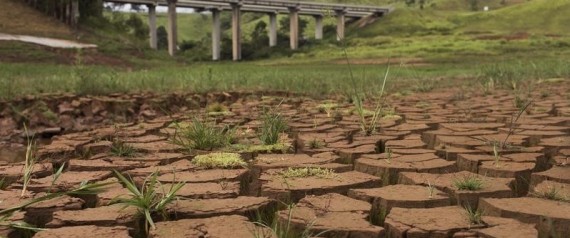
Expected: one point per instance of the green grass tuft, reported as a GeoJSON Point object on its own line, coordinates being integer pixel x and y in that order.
{"type": "Point", "coordinates": [271, 129]}
{"type": "Point", "coordinates": [219, 161]}
{"type": "Point", "coordinates": [378, 216]}
{"type": "Point", "coordinates": [470, 183]}
{"type": "Point", "coordinates": [283, 229]}
{"type": "Point", "coordinates": [316, 144]}
{"type": "Point", "coordinates": [553, 193]}
{"type": "Point", "coordinates": [474, 216]}
{"type": "Point", "coordinates": [202, 136]}
{"type": "Point", "coordinates": [216, 109]}
{"type": "Point", "coordinates": [308, 172]}
{"type": "Point", "coordinates": [150, 199]}
{"type": "Point", "coordinates": [30, 161]}
{"type": "Point", "coordinates": [121, 149]}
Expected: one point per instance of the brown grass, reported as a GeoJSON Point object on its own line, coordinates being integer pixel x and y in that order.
{"type": "Point", "coordinates": [16, 17]}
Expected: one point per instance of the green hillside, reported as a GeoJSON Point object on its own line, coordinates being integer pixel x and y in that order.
{"type": "Point", "coordinates": [448, 5]}
{"type": "Point", "coordinates": [537, 16]}
{"type": "Point", "coordinates": [450, 17]}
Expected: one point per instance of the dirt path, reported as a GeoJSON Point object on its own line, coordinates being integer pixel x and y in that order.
{"type": "Point", "coordinates": [50, 42]}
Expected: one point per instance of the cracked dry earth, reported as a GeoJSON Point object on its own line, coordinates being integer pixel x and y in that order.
{"type": "Point", "coordinates": [397, 182]}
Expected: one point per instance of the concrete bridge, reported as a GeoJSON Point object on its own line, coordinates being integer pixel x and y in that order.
{"type": "Point", "coordinates": [68, 12]}
{"type": "Point", "coordinates": [270, 7]}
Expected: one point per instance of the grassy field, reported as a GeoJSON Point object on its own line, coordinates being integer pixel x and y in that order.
{"type": "Point", "coordinates": [311, 79]}
{"type": "Point", "coordinates": [443, 42]}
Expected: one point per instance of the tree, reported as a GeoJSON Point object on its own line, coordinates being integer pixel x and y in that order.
{"type": "Point", "coordinates": [162, 37]}
{"type": "Point", "coordinates": [136, 7]}
{"type": "Point", "coordinates": [138, 28]}
{"type": "Point", "coordinates": [474, 5]}
{"type": "Point", "coordinates": [285, 25]}
{"type": "Point", "coordinates": [93, 8]}
{"type": "Point", "coordinates": [329, 31]}
{"type": "Point", "coordinates": [259, 36]}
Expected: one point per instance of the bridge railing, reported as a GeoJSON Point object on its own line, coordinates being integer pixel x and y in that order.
{"type": "Point", "coordinates": [268, 4]}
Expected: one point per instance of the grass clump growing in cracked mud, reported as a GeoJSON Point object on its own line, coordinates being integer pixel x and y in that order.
{"type": "Point", "coordinates": [219, 161]}
{"type": "Point", "coordinates": [271, 129]}
{"type": "Point", "coordinates": [202, 136]}
{"type": "Point", "coordinates": [216, 109]}
{"type": "Point", "coordinates": [308, 172]}
{"type": "Point", "coordinates": [150, 199]}
{"type": "Point", "coordinates": [553, 193]}
{"type": "Point", "coordinates": [316, 144]}
{"type": "Point", "coordinates": [470, 183]}
{"type": "Point", "coordinates": [121, 149]}
{"type": "Point", "coordinates": [474, 216]}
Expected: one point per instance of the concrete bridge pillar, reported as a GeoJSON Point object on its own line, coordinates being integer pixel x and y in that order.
{"type": "Point", "coordinates": [216, 34]}
{"type": "Point", "coordinates": [318, 27]}
{"type": "Point", "coordinates": [236, 31]}
{"type": "Point", "coordinates": [294, 27]}
{"type": "Point", "coordinates": [152, 26]}
{"type": "Point", "coordinates": [341, 18]}
{"type": "Point", "coordinates": [172, 28]}
{"type": "Point", "coordinates": [272, 29]}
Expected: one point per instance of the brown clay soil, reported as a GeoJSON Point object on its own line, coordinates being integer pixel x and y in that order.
{"type": "Point", "coordinates": [401, 181]}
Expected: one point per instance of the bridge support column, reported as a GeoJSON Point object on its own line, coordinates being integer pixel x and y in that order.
{"type": "Point", "coordinates": [341, 18]}
{"type": "Point", "coordinates": [294, 27]}
{"type": "Point", "coordinates": [318, 27]}
{"type": "Point", "coordinates": [272, 29]}
{"type": "Point", "coordinates": [152, 26]}
{"type": "Point", "coordinates": [236, 31]}
{"type": "Point", "coordinates": [216, 34]}
{"type": "Point", "coordinates": [172, 28]}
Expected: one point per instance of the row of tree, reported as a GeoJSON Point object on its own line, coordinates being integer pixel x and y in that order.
{"type": "Point", "coordinates": [61, 9]}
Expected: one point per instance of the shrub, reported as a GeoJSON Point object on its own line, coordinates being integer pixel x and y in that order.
{"type": "Point", "coordinates": [137, 26]}
{"type": "Point", "coordinates": [162, 37]}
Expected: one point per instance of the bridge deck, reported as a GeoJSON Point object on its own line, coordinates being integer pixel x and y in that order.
{"type": "Point", "coordinates": [271, 6]}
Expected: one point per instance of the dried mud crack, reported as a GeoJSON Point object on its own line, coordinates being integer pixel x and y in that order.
{"type": "Point", "coordinates": [431, 169]}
